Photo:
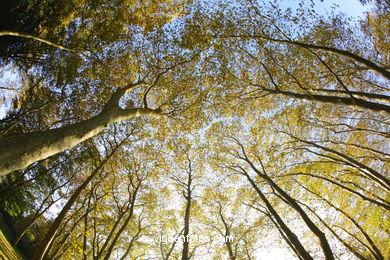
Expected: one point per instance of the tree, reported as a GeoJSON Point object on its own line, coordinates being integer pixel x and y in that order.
{"type": "Point", "coordinates": [304, 95]}
{"type": "Point", "coordinates": [48, 238]}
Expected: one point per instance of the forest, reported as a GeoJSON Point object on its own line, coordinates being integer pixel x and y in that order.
{"type": "Point", "coordinates": [194, 129]}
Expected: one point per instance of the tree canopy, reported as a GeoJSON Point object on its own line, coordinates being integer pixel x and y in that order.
{"type": "Point", "coordinates": [172, 129]}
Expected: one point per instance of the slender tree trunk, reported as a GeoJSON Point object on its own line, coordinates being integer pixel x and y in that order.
{"type": "Point", "coordinates": [298, 247]}
{"type": "Point", "coordinates": [185, 252]}
{"type": "Point", "coordinates": [168, 255]}
{"type": "Point", "coordinates": [375, 250]}
{"type": "Point", "coordinates": [39, 211]}
{"type": "Point", "coordinates": [367, 171]}
{"type": "Point", "coordinates": [316, 231]}
{"type": "Point", "coordinates": [355, 103]}
{"type": "Point", "coordinates": [371, 65]}
{"type": "Point", "coordinates": [86, 229]}
{"type": "Point", "coordinates": [68, 232]}
{"type": "Point", "coordinates": [350, 248]}
{"type": "Point", "coordinates": [227, 235]}
{"type": "Point", "coordinates": [30, 224]}
{"type": "Point", "coordinates": [364, 197]}
{"type": "Point", "coordinates": [372, 96]}
{"type": "Point", "coordinates": [284, 236]}
{"type": "Point", "coordinates": [125, 223]}
{"type": "Point", "coordinates": [321, 236]}
{"type": "Point", "coordinates": [129, 247]}
{"type": "Point", "coordinates": [110, 235]}
{"type": "Point", "coordinates": [48, 238]}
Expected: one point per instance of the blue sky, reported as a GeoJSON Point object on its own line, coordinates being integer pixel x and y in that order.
{"type": "Point", "coordinates": [350, 7]}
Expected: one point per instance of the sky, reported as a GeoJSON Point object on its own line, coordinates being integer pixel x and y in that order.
{"type": "Point", "coordinates": [350, 7]}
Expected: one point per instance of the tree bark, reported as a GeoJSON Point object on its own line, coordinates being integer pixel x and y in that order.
{"type": "Point", "coordinates": [321, 236]}
{"type": "Point", "coordinates": [362, 196]}
{"type": "Point", "coordinates": [350, 248]}
{"type": "Point", "coordinates": [375, 250]}
{"type": "Point", "coordinates": [110, 235]}
{"type": "Point", "coordinates": [20, 151]}
{"type": "Point", "coordinates": [86, 229]}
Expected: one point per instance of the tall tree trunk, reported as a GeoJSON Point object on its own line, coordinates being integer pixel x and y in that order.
{"type": "Point", "coordinates": [227, 234]}
{"type": "Point", "coordinates": [375, 250]}
{"type": "Point", "coordinates": [321, 236]}
{"type": "Point", "coordinates": [362, 196]}
{"type": "Point", "coordinates": [367, 171]}
{"type": "Point", "coordinates": [310, 224]}
{"type": "Point", "coordinates": [185, 252]}
{"type": "Point", "coordinates": [36, 216]}
{"type": "Point", "coordinates": [168, 255]}
{"type": "Point", "coordinates": [125, 223]}
{"type": "Point", "coordinates": [350, 248]}
{"type": "Point", "coordinates": [133, 239]}
{"type": "Point", "coordinates": [39, 211]}
{"type": "Point", "coordinates": [284, 236]}
{"type": "Point", "coordinates": [86, 229]}
{"type": "Point", "coordinates": [48, 238]}
{"type": "Point", "coordinates": [20, 151]}
{"type": "Point", "coordinates": [355, 103]}
{"type": "Point", "coordinates": [298, 247]}
{"type": "Point", "coordinates": [371, 65]}
{"type": "Point", "coordinates": [101, 251]}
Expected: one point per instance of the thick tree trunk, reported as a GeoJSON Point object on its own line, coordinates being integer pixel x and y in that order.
{"type": "Point", "coordinates": [19, 152]}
